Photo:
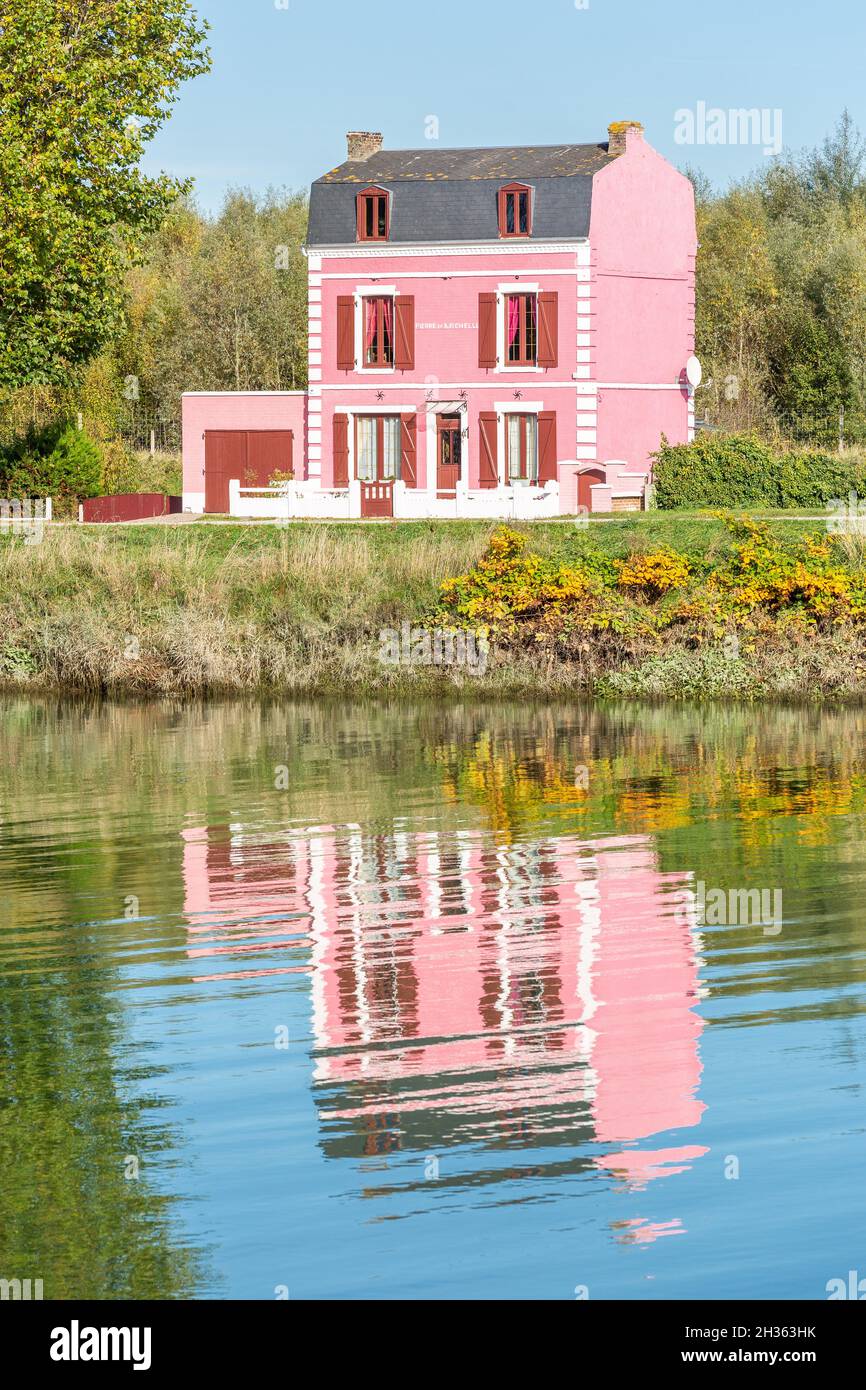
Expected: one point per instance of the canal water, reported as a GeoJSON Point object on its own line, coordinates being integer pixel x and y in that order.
{"type": "Point", "coordinates": [386, 1001]}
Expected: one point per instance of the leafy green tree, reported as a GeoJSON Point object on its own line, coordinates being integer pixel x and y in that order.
{"type": "Point", "coordinates": [809, 372]}
{"type": "Point", "coordinates": [781, 294]}
{"type": "Point", "coordinates": [84, 86]}
{"type": "Point", "coordinates": [219, 304]}
{"type": "Point", "coordinates": [215, 303]}
{"type": "Point", "coordinates": [736, 295]}
{"type": "Point", "coordinates": [834, 171]}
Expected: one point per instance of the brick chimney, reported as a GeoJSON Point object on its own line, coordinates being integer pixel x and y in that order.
{"type": "Point", "coordinates": [363, 143]}
{"type": "Point", "coordinates": [621, 134]}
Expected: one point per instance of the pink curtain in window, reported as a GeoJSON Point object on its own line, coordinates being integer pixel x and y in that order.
{"type": "Point", "coordinates": [372, 319]}
{"type": "Point", "coordinates": [513, 319]}
{"type": "Point", "coordinates": [388, 306]}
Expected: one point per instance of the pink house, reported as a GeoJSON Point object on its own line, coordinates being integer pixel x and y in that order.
{"type": "Point", "coordinates": [493, 332]}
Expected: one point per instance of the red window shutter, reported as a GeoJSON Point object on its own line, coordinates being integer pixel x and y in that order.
{"type": "Point", "coordinates": [489, 471]}
{"type": "Point", "coordinates": [548, 329]}
{"type": "Point", "coordinates": [341, 451]}
{"type": "Point", "coordinates": [409, 432]}
{"type": "Point", "coordinates": [487, 330]}
{"type": "Point", "coordinates": [547, 461]}
{"type": "Point", "coordinates": [404, 338]}
{"type": "Point", "coordinates": [346, 333]}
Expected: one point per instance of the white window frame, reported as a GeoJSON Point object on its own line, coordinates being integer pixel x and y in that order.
{"type": "Point", "coordinates": [363, 292]}
{"type": "Point", "coordinates": [502, 409]}
{"type": "Point", "coordinates": [384, 415]}
{"type": "Point", "coordinates": [381, 408]}
{"type": "Point", "coordinates": [502, 365]}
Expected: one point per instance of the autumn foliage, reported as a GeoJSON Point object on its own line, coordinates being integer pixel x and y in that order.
{"type": "Point", "coordinates": [521, 596]}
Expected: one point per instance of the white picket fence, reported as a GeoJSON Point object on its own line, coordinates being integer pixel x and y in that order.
{"type": "Point", "coordinates": [303, 501]}
{"type": "Point", "coordinates": [25, 516]}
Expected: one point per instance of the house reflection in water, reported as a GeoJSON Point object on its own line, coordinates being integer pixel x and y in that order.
{"type": "Point", "coordinates": [535, 996]}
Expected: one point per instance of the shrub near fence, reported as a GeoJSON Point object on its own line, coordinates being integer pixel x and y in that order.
{"type": "Point", "coordinates": [59, 461]}
{"type": "Point", "coordinates": [741, 470]}
{"type": "Point", "coordinates": [814, 479]}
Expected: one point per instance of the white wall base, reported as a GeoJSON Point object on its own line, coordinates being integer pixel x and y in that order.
{"type": "Point", "coordinates": [309, 501]}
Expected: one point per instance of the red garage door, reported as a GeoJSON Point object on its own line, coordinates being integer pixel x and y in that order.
{"type": "Point", "coordinates": [251, 456]}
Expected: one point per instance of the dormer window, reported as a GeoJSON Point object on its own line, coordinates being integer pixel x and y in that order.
{"type": "Point", "coordinates": [515, 210]}
{"type": "Point", "coordinates": [374, 215]}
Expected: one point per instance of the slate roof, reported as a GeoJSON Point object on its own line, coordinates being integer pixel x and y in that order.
{"type": "Point", "coordinates": [451, 195]}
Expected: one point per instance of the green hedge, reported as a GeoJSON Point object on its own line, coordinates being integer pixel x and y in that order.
{"type": "Point", "coordinates": [740, 470]}
{"type": "Point", "coordinates": [60, 462]}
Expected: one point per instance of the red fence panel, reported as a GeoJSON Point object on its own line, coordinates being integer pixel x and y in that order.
{"type": "Point", "coordinates": [130, 506]}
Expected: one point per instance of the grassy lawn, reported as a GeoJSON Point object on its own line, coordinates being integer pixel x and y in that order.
{"type": "Point", "coordinates": [692, 533]}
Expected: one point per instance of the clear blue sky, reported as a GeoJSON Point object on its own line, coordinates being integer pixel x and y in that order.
{"type": "Point", "coordinates": [288, 83]}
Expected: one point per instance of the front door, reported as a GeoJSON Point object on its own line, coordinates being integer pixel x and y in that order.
{"type": "Point", "coordinates": [377, 462]}
{"type": "Point", "coordinates": [449, 454]}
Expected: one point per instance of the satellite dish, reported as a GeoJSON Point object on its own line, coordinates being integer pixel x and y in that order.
{"type": "Point", "coordinates": [694, 372]}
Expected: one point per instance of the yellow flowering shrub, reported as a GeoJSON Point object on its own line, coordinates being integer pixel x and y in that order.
{"type": "Point", "coordinates": [763, 574]}
{"type": "Point", "coordinates": [654, 575]}
{"type": "Point", "coordinates": [511, 585]}
{"type": "Point", "coordinates": [760, 586]}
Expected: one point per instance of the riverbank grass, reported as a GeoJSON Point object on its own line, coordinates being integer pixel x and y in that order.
{"type": "Point", "coordinates": [649, 605]}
